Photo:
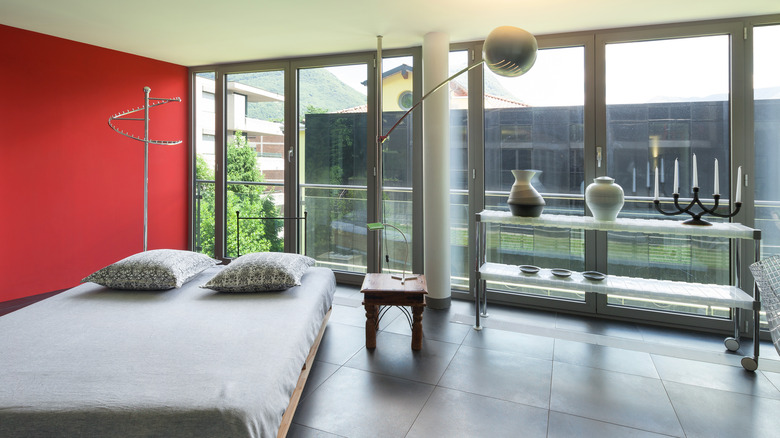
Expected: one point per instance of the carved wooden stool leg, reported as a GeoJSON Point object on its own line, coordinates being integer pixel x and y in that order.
{"type": "Point", "coordinates": [371, 322]}
{"type": "Point", "coordinates": [417, 332]}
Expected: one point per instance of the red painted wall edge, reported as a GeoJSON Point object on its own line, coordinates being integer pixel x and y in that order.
{"type": "Point", "coordinates": [71, 189]}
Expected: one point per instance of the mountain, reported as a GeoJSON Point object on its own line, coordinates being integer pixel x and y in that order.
{"type": "Point", "coordinates": [319, 89]}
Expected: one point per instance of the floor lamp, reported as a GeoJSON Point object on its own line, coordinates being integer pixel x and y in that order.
{"type": "Point", "coordinates": [508, 51]}
{"type": "Point", "coordinates": [377, 226]}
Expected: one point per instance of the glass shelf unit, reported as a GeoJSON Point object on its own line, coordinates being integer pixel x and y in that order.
{"type": "Point", "coordinates": [708, 294]}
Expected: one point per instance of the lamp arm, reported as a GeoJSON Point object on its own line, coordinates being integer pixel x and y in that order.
{"type": "Point", "coordinates": [382, 138]}
{"type": "Point", "coordinates": [406, 252]}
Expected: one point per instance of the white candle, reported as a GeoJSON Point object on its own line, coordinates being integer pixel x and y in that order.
{"type": "Point", "coordinates": [676, 177]}
{"type": "Point", "coordinates": [716, 190]}
{"type": "Point", "coordinates": [656, 184]}
{"type": "Point", "coordinates": [695, 173]}
{"type": "Point", "coordinates": [739, 185]}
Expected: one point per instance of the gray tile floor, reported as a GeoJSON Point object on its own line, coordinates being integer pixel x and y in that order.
{"type": "Point", "coordinates": [530, 374]}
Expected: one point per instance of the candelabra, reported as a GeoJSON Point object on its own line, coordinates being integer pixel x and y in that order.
{"type": "Point", "coordinates": [696, 216]}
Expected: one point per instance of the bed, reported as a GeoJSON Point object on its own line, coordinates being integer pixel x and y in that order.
{"type": "Point", "coordinates": [184, 362]}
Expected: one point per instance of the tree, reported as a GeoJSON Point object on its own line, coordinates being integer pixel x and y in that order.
{"type": "Point", "coordinates": [244, 196]}
{"type": "Point", "coordinates": [204, 207]}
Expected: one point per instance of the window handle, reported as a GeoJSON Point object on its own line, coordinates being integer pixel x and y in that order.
{"type": "Point", "coordinates": [598, 156]}
{"type": "Point", "coordinates": [290, 155]}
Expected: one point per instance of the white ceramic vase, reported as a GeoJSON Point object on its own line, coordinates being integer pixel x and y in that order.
{"type": "Point", "coordinates": [604, 198]}
{"type": "Point", "coordinates": [524, 200]}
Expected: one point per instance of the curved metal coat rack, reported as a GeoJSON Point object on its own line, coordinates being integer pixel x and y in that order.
{"type": "Point", "coordinates": [149, 102]}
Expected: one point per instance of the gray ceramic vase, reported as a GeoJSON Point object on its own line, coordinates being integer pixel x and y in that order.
{"type": "Point", "coordinates": [524, 200]}
{"type": "Point", "coordinates": [604, 198]}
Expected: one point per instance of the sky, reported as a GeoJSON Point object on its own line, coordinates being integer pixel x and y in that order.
{"type": "Point", "coordinates": [637, 72]}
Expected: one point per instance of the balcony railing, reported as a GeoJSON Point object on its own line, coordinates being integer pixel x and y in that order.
{"type": "Point", "coordinates": [335, 233]}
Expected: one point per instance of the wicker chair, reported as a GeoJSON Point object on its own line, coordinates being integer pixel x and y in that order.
{"type": "Point", "coordinates": [767, 275]}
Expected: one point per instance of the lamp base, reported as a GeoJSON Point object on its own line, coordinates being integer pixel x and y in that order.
{"type": "Point", "coordinates": [403, 278]}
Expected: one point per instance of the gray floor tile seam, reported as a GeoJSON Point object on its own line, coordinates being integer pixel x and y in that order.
{"type": "Point", "coordinates": [422, 408]}
{"type": "Point", "coordinates": [552, 360]}
{"type": "Point", "coordinates": [491, 397]}
{"type": "Point", "coordinates": [395, 376]}
{"type": "Point", "coordinates": [555, 346]}
{"type": "Point", "coordinates": [439, 385]}
{"type": "Point", "coordinates": [671, 403]}
{"type": "Point", "coordinates": [607, 422]}
{"type": "Point", "coordinates": [314, 388]}
{"type": "Point", "coordinates": [665, 381]}
{"type": "Point", "coordinates": [770, 380]}
{"type": "Point", "coordinates": [409, 334]}
{"type": "Point", "coordinates": [448, 365]}
{"type": "Point", "coordinates": [362, 323]}
{"type": "Point", "coordinates": [643, 346]}
{"type": "Point", "coordinates": [319, 430]}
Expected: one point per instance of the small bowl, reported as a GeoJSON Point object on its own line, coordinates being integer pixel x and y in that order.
{"type": "Point", "coordinates": [529, 269]}
{"type": "Point", "coordinates": [563, 273]}
{"type": "Point", "coordinates": [594, 275]}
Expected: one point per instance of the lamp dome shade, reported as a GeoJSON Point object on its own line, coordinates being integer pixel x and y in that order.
{"type": "Point", "coordinates": [509, 51]}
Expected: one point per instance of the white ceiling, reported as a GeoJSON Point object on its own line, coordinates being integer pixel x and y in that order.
{"type": "Point", "coordinates": [198, 32]}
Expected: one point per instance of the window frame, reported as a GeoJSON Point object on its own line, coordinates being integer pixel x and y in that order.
{"type": "Point", "coordinates": [742, 151]}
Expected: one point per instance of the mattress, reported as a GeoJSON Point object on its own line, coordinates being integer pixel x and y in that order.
{"type": "Point", "coordinates": [186, 362]}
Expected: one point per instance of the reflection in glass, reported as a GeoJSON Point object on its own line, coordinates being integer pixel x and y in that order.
{"type": "Point", "coordinates": [459, 164]}
{"type": "Point", "coordinates": [668, 100]}
{"type": "Point", "coordinates": [332, 165]}
{"type": "Point", "coordinates": [397, 161]}
{"type": "Point", "coordinates": [766, 92]}
{"type": "Point", "coordinates": [533, 122]}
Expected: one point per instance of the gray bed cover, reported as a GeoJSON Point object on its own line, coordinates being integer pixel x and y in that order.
{"type": "Point", "coordinates": [189, 362]}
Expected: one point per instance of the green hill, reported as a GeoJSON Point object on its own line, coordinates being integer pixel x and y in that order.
{"type": "Point", "coordinates": [319, 89]}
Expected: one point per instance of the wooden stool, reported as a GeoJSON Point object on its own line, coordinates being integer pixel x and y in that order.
{"type": "Point", "coordinates": [383, 290]}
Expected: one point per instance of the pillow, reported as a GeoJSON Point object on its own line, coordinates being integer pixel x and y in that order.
{"type": "Point", "coordinates": [158, 269]}
{"type": "Point", "coordinates": [261, 271]}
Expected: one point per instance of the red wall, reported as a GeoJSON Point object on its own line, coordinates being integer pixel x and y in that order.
{"type": "Point", "coordinates": [71, 189]}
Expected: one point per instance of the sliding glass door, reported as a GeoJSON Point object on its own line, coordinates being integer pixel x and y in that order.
{"type": "Point", "coordinates": [285, 161]}
{"type": "Point", "coordinates": [766, 95]}
{"type": "Point", "coordinates": [204, 142]}
{"type": "Point", "coordinates": [623, 104]}
{"type": "Point", "coordinates": [667, 106]}
{"type": "Point", "coordinates": [239, 127]}
{"type": "Point", "coordinates": [332, 153]}
{"type": "Point", "coordinates": [255, 161]}
{"type": "Point", "coordinates": [398, 164]}
{"type": "Point", "coordinates": [537, 122]}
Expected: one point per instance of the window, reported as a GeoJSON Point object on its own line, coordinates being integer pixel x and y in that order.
{"type": "Point", "coordinates": [659, 113]}
{"type": "Point", "coordinates": [619, 103]}
{"type": "Point", "coordinates": [406, 100]}
{"type": "Point", "coordinates": [459, 173]}
{"type": "Point", "coordinates": [332, 144]}
{"type": "Point", "coordinates": [397, 164]}
{"type": "Point", "coordinates": [766, 92]}
{"type": "Point", "coordinates": [203, 226]}
{"type": "Point", "coordinates": [254, 134]}
{"type": "Point", "coordinates": [536, 122]}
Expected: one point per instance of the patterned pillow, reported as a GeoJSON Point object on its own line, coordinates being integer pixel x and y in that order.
{"type": "Point", "coordinates": [158, 269]}
{"type": "Point", "coordinates": [261, 271]}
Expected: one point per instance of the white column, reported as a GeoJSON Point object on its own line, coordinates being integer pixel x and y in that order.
{"type": "Point", "coordinates": [436, 170]}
